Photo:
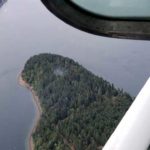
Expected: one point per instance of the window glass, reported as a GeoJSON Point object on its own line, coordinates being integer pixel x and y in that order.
{"type": "Point", "coordinates": [116, 8]}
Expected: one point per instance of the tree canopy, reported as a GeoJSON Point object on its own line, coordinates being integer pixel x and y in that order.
{"type": "Point", "coordinates": [80, 109]}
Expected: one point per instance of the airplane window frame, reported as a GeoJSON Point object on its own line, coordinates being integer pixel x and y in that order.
{"type": "Point", "coordinates": [96, 24]}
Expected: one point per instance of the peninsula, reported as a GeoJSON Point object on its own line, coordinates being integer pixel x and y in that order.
{"type": "Point", "coordinates": [77, 109]}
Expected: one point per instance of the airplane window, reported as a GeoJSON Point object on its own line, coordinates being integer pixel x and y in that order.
{"type": "Point", "coordinates": [63, 84]}
{"type": "Point", "coordinates": [112, 19]}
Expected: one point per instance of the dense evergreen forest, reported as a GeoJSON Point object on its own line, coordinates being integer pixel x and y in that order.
{"type": "Point", "coordinates": [80, 109]}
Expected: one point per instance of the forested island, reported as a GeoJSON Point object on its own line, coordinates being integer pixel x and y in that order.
{"type": "Point", "coordinates": [79, 109]}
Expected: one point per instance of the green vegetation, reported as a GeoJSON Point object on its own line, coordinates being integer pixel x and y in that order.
{"type": "Point", "coordinates": [80, 110]}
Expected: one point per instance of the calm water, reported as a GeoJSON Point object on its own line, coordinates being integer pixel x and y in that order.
{"type": "Point", "coordinates": [117, 8]}
{"type": "Point", "coordinates": [26, 29]}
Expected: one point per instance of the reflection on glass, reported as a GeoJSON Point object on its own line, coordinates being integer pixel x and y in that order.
{"type": "Point", "coordinates": [117, 8]}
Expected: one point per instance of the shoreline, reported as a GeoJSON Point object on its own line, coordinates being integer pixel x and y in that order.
{"type": "Point", "coordinates": [36, 101]}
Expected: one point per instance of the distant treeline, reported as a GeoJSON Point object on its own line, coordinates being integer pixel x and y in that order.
{"type": "Point", "coordinates": [80, 110]}
{"type": "Point", "coordinates": [2, 2]}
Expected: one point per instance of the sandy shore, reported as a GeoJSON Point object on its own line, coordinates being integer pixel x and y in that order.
{"type": "Point", "coordinates": [38, 114]}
